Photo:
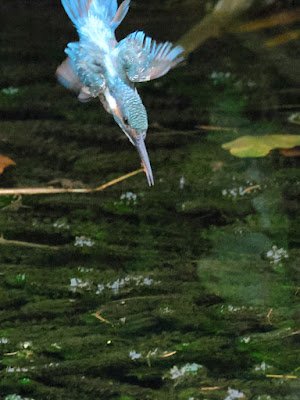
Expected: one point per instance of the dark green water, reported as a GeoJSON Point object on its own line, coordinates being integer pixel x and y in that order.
{"type": "Point", "coordinates": [196, 281]}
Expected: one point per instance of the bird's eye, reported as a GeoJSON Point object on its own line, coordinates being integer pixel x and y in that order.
{"type": "Point", "coordinates": [126, 122]}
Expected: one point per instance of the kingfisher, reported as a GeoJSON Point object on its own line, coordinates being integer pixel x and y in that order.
{"type": "Point", "coordinates": [100, 66]}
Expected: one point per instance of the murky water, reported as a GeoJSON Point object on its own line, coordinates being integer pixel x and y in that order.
{"type": "Point", "coordinates": [186, 290]}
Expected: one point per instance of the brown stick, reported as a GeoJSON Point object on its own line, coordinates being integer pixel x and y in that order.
{"type": "Point", "coordinates": [52, 190]}
{"type": "Point", "coordinates": [27, 244]}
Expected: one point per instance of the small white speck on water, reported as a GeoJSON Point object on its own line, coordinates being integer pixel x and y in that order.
{"type": "Point", "coordinates": [276, 255]}
{"type": "Point", "coordinates": [81, 241]}
{"type": "Point", "coordinates": [234, 394]}
{"type": "Point", "coordinates": [134, 355]}
{"type": "Point", "coordinates": [181, 182]}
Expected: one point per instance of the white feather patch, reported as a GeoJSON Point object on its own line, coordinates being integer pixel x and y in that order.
{"type": "Point", "coordinates": [110, 100]}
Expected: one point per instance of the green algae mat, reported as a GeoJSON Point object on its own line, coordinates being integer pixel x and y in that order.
{"type": "Point", "coordinates": [188, 290]}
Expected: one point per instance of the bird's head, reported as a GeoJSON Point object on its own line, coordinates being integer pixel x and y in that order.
{"type": "Point", "coordinates": [130, 114]}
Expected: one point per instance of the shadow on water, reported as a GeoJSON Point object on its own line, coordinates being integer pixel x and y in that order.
{"type": "Point", "coordinates": [185, 290]}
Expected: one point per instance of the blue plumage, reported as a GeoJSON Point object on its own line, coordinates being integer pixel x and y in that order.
{"type": "Point", "coordinates": [99, 66]}
{"type": "Point", "coordinates": [78, 10]}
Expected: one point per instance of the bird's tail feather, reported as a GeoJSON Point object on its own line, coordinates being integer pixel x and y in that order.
{"type": "Point", "coordinates": [120, 14]}
{"type": "Point", "coordinates": [106, 10]}
{"type": "Point", "coordinates": [76, 9]}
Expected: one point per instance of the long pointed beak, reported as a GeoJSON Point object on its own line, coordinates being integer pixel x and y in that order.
{"type": "Point", "coordinates": [141, 148]}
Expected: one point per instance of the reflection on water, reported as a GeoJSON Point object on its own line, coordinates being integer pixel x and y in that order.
{"type": "Point", "coordinates": [185, 290]}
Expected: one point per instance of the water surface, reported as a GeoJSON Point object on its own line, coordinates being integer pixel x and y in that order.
{"type": "Point", "coordinates": [185, 290]}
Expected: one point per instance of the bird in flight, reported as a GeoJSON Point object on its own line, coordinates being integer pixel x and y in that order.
{"type": "Point", "coordinates": [100, 66]}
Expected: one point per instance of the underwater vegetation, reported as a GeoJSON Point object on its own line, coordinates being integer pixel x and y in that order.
{"type": "Point", "coordinates": [187, 290]}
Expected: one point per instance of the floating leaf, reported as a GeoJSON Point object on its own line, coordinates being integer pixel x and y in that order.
{"type": "Point", "coordinates": [260, 146]}
{"type": "Point", "coordinates": [5, 162]}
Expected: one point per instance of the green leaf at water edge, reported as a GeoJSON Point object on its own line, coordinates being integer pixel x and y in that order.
{"type": "Point", "coordinates": [260, 146]}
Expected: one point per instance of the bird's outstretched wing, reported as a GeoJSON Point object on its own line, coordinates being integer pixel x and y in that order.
{"type": "Point", "coordinates": [82, 71]}
{"type": "Point", "coordinates": [143, 59]}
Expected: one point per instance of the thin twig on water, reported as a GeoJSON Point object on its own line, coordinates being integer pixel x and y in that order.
{"type": "Point", "coordinates": [52, 190]}
{"type": "Point", "coordinates": [27, 244]}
